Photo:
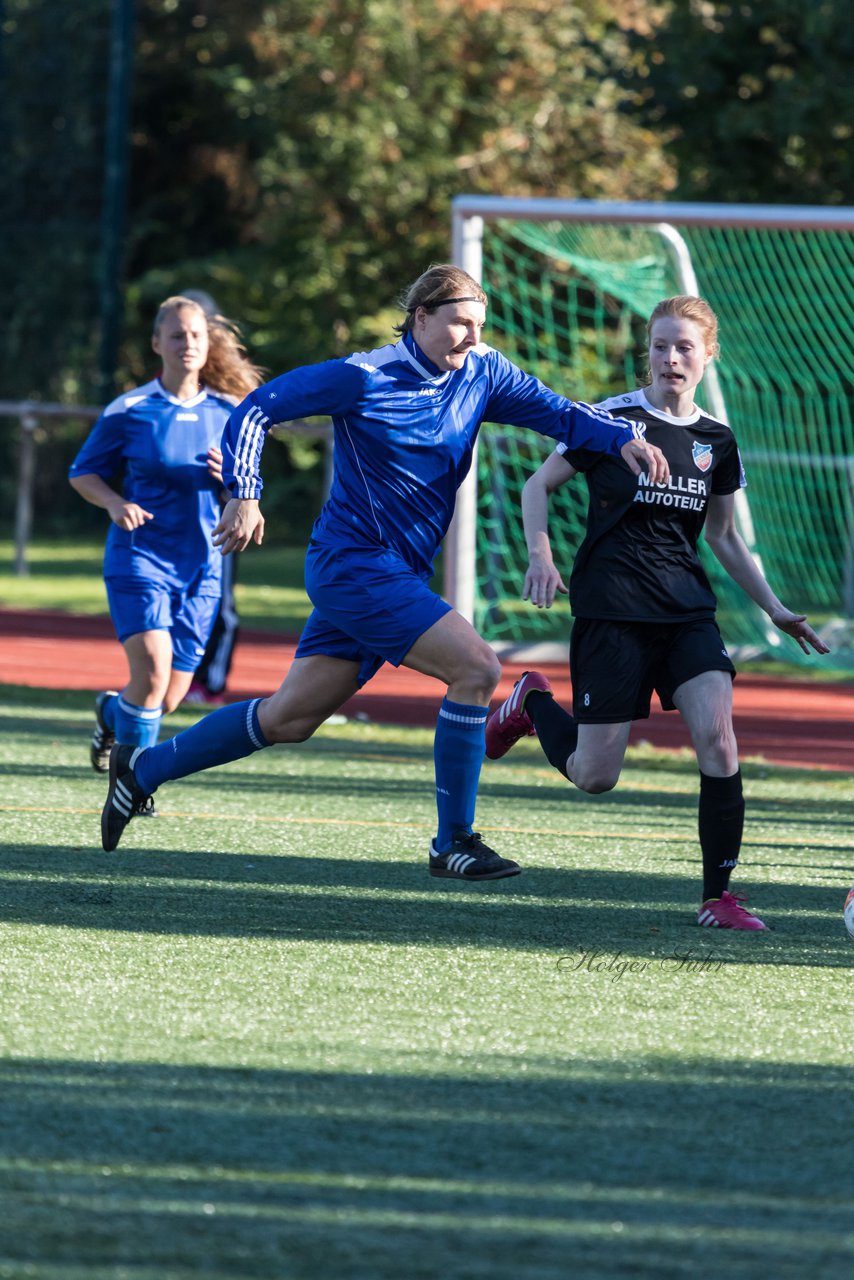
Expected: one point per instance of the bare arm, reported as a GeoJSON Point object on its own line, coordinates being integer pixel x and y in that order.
{"type": "Point", "coordinates": [127, 515]}
{"type": "Point", "coordinates": [542, 579]}
{"type": "Point", "coordinates": [731, 551]}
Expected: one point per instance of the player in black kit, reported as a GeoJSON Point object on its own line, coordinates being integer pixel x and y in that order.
{"type": "Point", "coordinates": [643, 608]}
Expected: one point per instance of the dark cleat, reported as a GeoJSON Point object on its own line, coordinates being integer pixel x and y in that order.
{"type": "Point", "coordinates": [124, 798]}
{"type": "Point", "coordinates": [470, 859]}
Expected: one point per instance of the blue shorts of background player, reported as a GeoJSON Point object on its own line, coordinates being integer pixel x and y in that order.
{"type": "Point", "coordinates": [138, 605]}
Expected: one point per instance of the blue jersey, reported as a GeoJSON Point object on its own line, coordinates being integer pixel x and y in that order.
{"type": "Point", "coordinates": [404, 432]}
{"type": "Point", "coordinates": [161, 445]}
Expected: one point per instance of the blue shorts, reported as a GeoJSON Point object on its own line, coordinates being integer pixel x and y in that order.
{"type": "Point", "coordinates": [369, 607]}
{"type": "Point", "coordinates": [138, 604]}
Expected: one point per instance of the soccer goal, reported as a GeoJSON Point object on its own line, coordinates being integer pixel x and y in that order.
{"type": "Point", "coordinates": [571, 284]}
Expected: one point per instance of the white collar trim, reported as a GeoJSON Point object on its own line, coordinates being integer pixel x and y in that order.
{"type": "Point", "coordinates": [668, 417]}
{"type": "Point", "coordinates": [406, 354]}
{"type": "Point", "coordinates": [185, 404]}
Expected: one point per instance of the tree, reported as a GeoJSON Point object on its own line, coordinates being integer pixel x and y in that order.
{"type": "Point", "coordinates": [53, 61]}
{"type": "Point", "coordinates": [299, 160]}
{"type": "Point", "coordinates": [296, 160]}
{"type": "Point", "coordinates": [756, 98]}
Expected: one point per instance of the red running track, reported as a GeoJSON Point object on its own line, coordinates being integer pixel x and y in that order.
{"type": "Point", "coordinates": [793, 722]}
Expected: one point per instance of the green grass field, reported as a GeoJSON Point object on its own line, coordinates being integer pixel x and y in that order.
{"type": "Point", "coordinates": [259, 1042]}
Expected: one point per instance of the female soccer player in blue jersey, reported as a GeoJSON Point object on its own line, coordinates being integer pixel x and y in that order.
{"type": "Point", "coordinates": [643, 608]}
{"type": "Point", "coordinates": [405, 419]}
{"type": "Point", "coordinates": [161, 570]}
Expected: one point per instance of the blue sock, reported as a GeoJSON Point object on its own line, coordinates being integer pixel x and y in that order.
{"type": "Point", "coordinates": [227, 734]}
{"type": "Point", "coordinates": [136, 726]}
{"type": "Point", "coordinates": [458, 754]}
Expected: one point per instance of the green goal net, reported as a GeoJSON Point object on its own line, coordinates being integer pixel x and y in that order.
{"type": "Point", "coordinates": [569, 300]}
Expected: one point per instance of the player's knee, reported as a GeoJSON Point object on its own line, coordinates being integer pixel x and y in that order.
{"type": "Point", "coordinates": [717, 752]}
{"type": "Point", "coordinates": [475, 678]}
{"type": "Point", "coordinates": [487, 672]}
{"type": "Point", "coordinates": [595, 778]}
{"type": "Point", "coordinates": [298, 729]}
{"type": "Point", "coordinates": [149, 689]}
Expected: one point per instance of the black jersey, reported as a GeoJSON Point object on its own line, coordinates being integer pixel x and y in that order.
{"type": "Point", "coordinates": [638, 561]}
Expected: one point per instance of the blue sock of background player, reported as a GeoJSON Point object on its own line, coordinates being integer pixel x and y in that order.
{"type": "Point", "coordinates": [132, 725]}
{"type": "Point", "coordinates": [135, 726]}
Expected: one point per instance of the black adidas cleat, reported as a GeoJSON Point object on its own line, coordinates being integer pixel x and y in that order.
{"type": "Point", "coordinates": [124, 798]}
{"type": "Point", "coordinates": [470, 859]}
{"type": "Point", "coordinates": [103, 739]}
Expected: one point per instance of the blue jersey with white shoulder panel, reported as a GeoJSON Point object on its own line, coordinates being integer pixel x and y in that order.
{"type": "Point", "coordinates": [404, 432]}
{"type": "Point", "coordinates": [161, 445]}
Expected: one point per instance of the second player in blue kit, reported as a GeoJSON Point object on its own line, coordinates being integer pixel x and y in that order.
{"type": "Point", "coordinates": [161, 570]}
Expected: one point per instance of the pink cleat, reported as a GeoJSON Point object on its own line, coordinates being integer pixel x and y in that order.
{"type": "Point", "coordinates": [511, 721]}
{"type": "Point", "coordinates": [725, 913]}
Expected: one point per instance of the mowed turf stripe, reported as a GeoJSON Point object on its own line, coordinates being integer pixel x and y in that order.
{"type": "Point", "coordinates": [557, 833]}
{"type": "Point", "coordinates": [572, 1191]}
{"type": "Point", "coordinates": [272, 820]}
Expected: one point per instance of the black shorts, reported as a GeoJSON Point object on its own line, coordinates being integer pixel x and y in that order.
{"type": "Point", "coordinates": [615, 666]}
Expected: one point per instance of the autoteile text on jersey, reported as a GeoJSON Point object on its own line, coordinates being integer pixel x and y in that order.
{"type": "Point", "coordinates": [688, 492]}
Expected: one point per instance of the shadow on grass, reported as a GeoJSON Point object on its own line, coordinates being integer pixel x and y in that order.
{"type": "Point", "coordinates": [484, 1172]}
{"type": "Point", "coordinates": [250, 894]}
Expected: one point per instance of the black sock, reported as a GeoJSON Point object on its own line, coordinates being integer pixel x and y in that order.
{"type": "Point", "coordinates": [556, 729]}
{"type": "Point", "coordinates": [721, 822]}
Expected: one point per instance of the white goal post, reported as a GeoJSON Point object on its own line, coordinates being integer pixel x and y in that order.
{"type": "Point", "coordinates": [471, 212]}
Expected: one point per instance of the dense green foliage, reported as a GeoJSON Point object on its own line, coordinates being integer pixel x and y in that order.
{"type": "Point", "coordinates": [52, 66]}
{"type": "Point", "coordinates": [298, 160]}
{"type": "Point", "coordinates": [757, 100]}
{"type": "Point", "coordinates": [324, 144]}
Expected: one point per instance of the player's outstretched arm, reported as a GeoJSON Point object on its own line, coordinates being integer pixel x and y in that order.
{"type": "Point", "coordinates": [732, 552]}
{"type": "Point", "coordinates": [241, 522]}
